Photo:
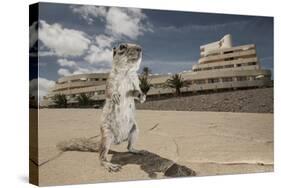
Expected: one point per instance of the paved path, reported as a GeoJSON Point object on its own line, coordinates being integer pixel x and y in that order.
{"type": "Point", "coordinates": [177, 143]}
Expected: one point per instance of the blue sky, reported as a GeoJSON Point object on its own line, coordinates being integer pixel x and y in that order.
{"type": "Point", "coordinates": [77, 39]}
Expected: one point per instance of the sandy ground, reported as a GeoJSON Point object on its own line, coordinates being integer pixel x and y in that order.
{"type": "Point", "coordinates": [209, 143]}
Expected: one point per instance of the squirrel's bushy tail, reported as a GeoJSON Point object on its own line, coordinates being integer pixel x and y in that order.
{"type": "Point", "coordinates": [80, 144]}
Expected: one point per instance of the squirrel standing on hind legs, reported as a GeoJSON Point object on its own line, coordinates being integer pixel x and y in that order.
{"type": "Point", "coordinates": [122, 88]}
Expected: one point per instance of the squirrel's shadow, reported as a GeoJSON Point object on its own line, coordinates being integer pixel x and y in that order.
{"type": "Point", "coordinates": [152, 163]}
{"type": "Point", "coordinates": [149, 162]}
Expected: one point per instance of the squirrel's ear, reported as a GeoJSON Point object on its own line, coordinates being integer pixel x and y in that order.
{"type": "Point", "coordinates": [114, 51]}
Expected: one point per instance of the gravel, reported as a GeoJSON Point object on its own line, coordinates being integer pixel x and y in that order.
{"type": "Point", "coordinates": [251, 100]}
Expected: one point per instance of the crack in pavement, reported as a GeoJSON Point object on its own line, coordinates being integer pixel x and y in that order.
{"type": "Point", "coordinates": [49, 160]}
{"type": "Point", "coordinates": [169, 170]}
{"type": "Point", "coordinates": [170, 137]}
{"type": "Point", "coordinates": [177, 147]}
{"type": "Point", "coordinates": [156, 125]}
{"type": "Point", "coordinates": [94, 136]}
{"type": "Point", "coordinates": [231, 163]}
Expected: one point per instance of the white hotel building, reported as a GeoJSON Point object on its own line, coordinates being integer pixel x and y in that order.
{"type": "Point", "coordinates": [221, 66]}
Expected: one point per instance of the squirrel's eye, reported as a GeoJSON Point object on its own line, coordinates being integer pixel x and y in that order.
{"type": "Point", "coordinates": [122, 47]}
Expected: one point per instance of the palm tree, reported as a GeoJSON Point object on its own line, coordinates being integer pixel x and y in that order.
{"type": "Point", "coordinates": [60, 100]}
{"type": "Point", "coordinates": [144, 82]}
{"type": "Point", "coordinates": [84, 100]}
{"type": "Point", "coordinates": [146, 71]}
{"type": "Point", "coordinates": [175, 82]}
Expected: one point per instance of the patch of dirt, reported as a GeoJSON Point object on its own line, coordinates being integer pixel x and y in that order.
{"type": "Point", "coordinates": [251, 100]}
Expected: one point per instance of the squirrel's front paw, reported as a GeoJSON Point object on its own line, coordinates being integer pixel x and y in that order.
{"type": "Point", "coordinates": [142, 98]}
{"type": "Point", "coordinates": [115, 98]}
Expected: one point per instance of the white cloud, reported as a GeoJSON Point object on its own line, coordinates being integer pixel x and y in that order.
{"type": "Point", "coordinates": [42, 85]}
{"type": "Point", "coordinates": [97, 55]}
{"type": "Point", "coordinates": [46, 53]}
{"type": "Point", "coordinates": [90, 70]}
{"type": "Point", "coordinates": [62, 41]}
{"type": "Point", "coordinates": [67, 63]}
{"type": "Point", "coordinates": [100, 53]}
{"type": "Point", "coordinates": [33, 34]}
{"type": "Point", "coordinates": [41, 53]}
{"type": "Point", "coordinates": [104, 41]}
{"type": "Point", "coordinates": [119, 22]}
{"type": "Point", "coordinates": [69, 67]}
{"type": "Point", "coordinates": [80, 70]}
{"type": "Point", "coordinates": [87, 12]}
{"type": "Point", "coordinates": [64, 72]}
{"type": "Point", "coordinates": [126, 22]}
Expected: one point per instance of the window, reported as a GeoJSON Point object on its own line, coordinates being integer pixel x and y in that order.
{"type": "Point", "coordinates": [96, 79]}
{"type": "Point", "coordinates": [241, 78]}
{"type": "Point", "coordinates": [100, 92]}
{"type": "Point", "coordinates": [104, 79]}
{"type": "Point", "coordinates": [250, 78]}
{"type": "Point", "coordinates": [228, 66]}
{"type": "Point", "coordinates": [208, 68]}
{"type": "Point", "coordinates": [195, 70]}
{"type": "Point", "coordinates": [218, 67]}
{"type": "Point", "coordinates": [199, 81]}
{"type": "Point", "coordinates": [216, 80]}
{"type": "Point", "coordinates": [252, 63]}
{"type": "Point", "coordinates": [229, 59]}
{"type": "Point", "coordinates": [213, 80]}
{"type": "Point", "coordinates": [210, 81]}
{"type": "Point", "coordinates": [228, 52]}
{"type": "Point", "coordinates": [227, 79]}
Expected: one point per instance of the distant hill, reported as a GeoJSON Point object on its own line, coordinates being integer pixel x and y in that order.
{"type": "Point", "coordinates": [251, 100]}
